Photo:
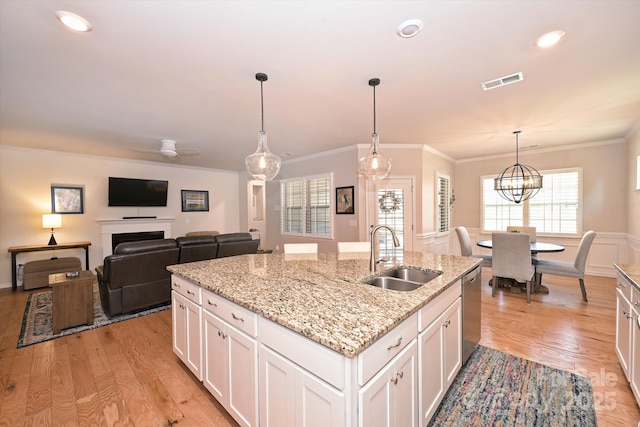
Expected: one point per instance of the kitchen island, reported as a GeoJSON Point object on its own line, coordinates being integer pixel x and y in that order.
{"type": "Point", "coordinates": [306, 325]}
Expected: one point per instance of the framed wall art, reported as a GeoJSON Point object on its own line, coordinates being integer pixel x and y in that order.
{"type": "Point", "coordinates": [195, 201]}
{"type": "Point", "coordinates": [67, 199]}
{"type": "Point", "coordinates": [344, 200]}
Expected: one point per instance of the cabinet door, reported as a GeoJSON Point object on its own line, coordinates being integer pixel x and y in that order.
{"type": "Point", "coordinates": [431, 379]}
{"type": "Point", "coordinates": [390, 398]}
{"type": "Point", "coordinates": [623, 331]}
{"type": "Point", "coordinates": [242, 359]}
{"type": "Point", "coordinates": [215, 371]}
{"type": "Point", "coordinates": [635, 354]}
{"type": "Point", "coordinates": [179, 328]}
{"type": "Point", "coordinates": [193, 322]}
{"type": "Point", "coordinates": [405, 385]}
{"type": "Point", "coordinates": [452, 344]}
{"type": "Point", "coordinates": [317, 403]}
{"type": "Point", "coordinates": [277, 390]}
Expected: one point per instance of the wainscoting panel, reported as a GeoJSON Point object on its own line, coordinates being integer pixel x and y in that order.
{"type": "Point", "coordinates": [607, 249]}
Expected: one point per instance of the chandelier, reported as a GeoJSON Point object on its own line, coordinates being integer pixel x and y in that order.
{"type": "Point", "coordinates": [263, 164]}
{"type": "Point", "coordinates": [375, 165]}
{"type": "Point", "coordinates": [518, 182]}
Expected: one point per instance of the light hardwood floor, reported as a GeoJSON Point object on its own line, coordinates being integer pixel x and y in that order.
{"type": "Point", "coordinates": [126, 373]}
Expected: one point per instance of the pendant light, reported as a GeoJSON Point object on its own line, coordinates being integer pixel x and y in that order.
{"type": "Point", "coordinates": [518, 182]}
{"type": "Point", "coordinates": [263, 164]}
{"type": "Point", "coordinates": [375, 165]}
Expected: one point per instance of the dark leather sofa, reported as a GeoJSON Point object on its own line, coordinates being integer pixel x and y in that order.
{"type": "Point", "coordinates": [135, 277]}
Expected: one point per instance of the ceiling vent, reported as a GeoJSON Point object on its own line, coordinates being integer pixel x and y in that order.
{"type": "Point", "coordinates": [502, 81]}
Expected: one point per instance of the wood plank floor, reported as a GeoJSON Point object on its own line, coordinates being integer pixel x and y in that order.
{"type": "Point", "coordinates": [126, 374]}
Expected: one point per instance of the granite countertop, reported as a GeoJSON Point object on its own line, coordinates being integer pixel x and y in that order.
{"type": "Point", "coordinates": [631, 272]}
{"type": "Point", "coordinates": [320, 296]}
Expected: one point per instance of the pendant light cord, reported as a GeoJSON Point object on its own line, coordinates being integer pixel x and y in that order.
{"type": "Point", "coordinates": [374, 109]}
{"type": "Point", "coordinates": [517, 155]}
{"type": "Point", "coordinates": [261, 107]}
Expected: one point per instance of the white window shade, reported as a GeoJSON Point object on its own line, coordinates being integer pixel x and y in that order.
{"type": "Point", "coordinates": [306, 206]}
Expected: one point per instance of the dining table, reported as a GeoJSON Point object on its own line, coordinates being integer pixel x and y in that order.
{"type": "Point", "coordinates": [536, 248]}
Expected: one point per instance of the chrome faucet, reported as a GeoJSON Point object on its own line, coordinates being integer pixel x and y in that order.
{"type": "Point", "coordinates": [372, 259]}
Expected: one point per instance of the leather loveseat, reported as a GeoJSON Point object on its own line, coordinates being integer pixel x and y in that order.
{"type": "Point", "coordinates": [135, 277]}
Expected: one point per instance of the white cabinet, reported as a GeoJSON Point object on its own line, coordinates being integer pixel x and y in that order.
{"type": "Point", "coordinates": [230, 369]}
{"type": "Point", "coordinates": [623, 324]}
{"type": "Point", "coordinates": [187, 318]}
{"type": "Point", "coordinates": [439, 353]}
{"type": "Point", "coordinates": [292, 397]}
{"type": "Point", "coordinates": [628, 332]}
{"type": "Point", "coordinates": [391, 397]}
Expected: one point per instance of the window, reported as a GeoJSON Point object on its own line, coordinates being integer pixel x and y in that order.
{"type": "Point", "coordinates": [557, 208]}
{"type": "Point", "coordinates": [443, 196]}
{"type": "Point", "coordinates": [305, 206]}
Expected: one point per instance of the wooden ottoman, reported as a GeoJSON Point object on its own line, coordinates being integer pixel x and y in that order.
{"type": "Point", "coordinates": [36, 273]}
{"type": "Point", "coordinates": [72, 299]}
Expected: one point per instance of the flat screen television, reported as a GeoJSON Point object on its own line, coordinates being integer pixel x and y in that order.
{"type": "Point", "coordinates": [137, 192]}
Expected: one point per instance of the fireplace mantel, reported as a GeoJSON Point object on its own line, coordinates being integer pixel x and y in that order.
{"type": "Point", "coordinates": [111, 226]}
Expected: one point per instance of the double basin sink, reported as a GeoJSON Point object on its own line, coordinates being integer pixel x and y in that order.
{"type": "Point", "coordinates": [403, 279]}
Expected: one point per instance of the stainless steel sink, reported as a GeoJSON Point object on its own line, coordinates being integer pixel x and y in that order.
{"type": "Point", "coordinates": [403, 279]}
{"type": "Point", "coordinates": [393, 283]}
{"type": "Point", "coordinates": [413, 274]}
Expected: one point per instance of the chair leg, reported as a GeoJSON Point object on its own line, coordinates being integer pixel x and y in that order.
{"type": "Point", "coordinates": [495, 285]}
{"type": "Point", "coordinates": [584, 291]}
{"type": "Point", "coordinates": [528, 291]}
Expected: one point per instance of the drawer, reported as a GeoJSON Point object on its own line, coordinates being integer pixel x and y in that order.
{"type": "Point", "coordinates": [438, 305]}
{"type": "Point", "coordinates": [187, 289]}
{"type": "Point", "coordinates": [386, 348]}
{"type": "Point", "coordinates": [235, 315]}
{"type": "Point", "coordinates": [625, 287]}
{"type": "Point", "coordinates": [326, 364]}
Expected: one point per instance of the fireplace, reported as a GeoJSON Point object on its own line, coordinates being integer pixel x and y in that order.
{"type": "Point", "coordinates": [117, 238]}
{"type": "Point", "coordinates": [133, 227]}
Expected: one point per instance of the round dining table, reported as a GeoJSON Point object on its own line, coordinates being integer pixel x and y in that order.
{"type": "Point", "coordinates": [536, 247]}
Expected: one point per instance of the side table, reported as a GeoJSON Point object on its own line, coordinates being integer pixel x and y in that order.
{"type": "Point", "coordinates": [72, 299]}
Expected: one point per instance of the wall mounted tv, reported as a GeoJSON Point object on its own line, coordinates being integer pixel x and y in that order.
{"type": "Point", "coordinates": [137, 192]}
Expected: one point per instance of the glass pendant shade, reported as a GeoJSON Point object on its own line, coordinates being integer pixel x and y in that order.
{"type": "Point", "coordinates": [375, 165]}
{"type": "Point", "coordinates": [263, 164]}
{"type": "Point", "coordinates": [519, 182]}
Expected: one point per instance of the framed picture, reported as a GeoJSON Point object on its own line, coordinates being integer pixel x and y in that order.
{"type": "Point", "coordinates": [344, 200]}
{"type": "Point", "coordinates": [67, 200]}
{"type": "Point", "coordinates": [195, 201]}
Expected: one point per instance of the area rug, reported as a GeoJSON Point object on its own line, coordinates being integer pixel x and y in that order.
{"type": "Point", "coordinates": [498, 389]}
{"type": "Point", "coordinates": [37, 322]}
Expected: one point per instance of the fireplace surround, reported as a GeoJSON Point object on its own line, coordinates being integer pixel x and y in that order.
{"type": "Point", "coordinates": [125, 226]}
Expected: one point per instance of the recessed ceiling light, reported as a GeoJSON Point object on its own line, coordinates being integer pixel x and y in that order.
{"type": "Point", "coordinates": [549, 39]}
{"type": "Point", "coordinates": [409, 28]}
{"type": "Point", "coordinates": [73, 21]}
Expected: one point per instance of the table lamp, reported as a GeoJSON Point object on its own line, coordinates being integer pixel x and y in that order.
{"type": "Point", "coordinates": [52, 221]}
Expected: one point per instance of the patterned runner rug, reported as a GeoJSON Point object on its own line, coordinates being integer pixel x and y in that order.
{"type": "Point", "coordinates": [37, 322]}
{"type": "Point", "coordinates": [498, 389]}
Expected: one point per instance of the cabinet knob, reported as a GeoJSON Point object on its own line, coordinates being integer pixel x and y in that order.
{"type": "Point", "coordinates": [627, 315]}
{"type": "Point", "coordinates": [212, 303]}
{"type": "Point", "coordinates": [447, 323]}
{"type": "Point", "coordinates": [621, 285]}
{"type": "Point", "coordinates": [190, 293]}
{"type": "Point", "coordinates": [236, 317]}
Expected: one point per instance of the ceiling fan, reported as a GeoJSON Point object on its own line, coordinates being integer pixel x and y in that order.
{"type": "Point", "coordinates": [168, 149]}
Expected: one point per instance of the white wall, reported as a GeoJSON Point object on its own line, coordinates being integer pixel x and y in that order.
{"type": "Point", "coordinates": [633, 199]}
{"type": "Point", "coordinates": [26, 176]}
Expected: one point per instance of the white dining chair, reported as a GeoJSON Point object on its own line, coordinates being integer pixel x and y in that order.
{"type": "Point", "coordinates": [512, 259]}
{"type": "Point", "coordinates": [569, 269]}
{"type": "Point", "coordinates": [300, 248]}
{"type": "Point", "coordinates": [354, 247]}
{"type": "Point", "coordinates": [467, 250]}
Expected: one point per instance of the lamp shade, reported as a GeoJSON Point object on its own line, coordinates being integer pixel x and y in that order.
{"type": "Point", "coordinates": [263, 164]}
{"type": "Point", "coordinates": [375, 165]}
{"type": "Point", "coordinates": [51, 221]}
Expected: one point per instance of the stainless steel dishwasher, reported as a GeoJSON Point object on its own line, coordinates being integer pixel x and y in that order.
{"type": "Point", "coordinates": [471, 312]}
